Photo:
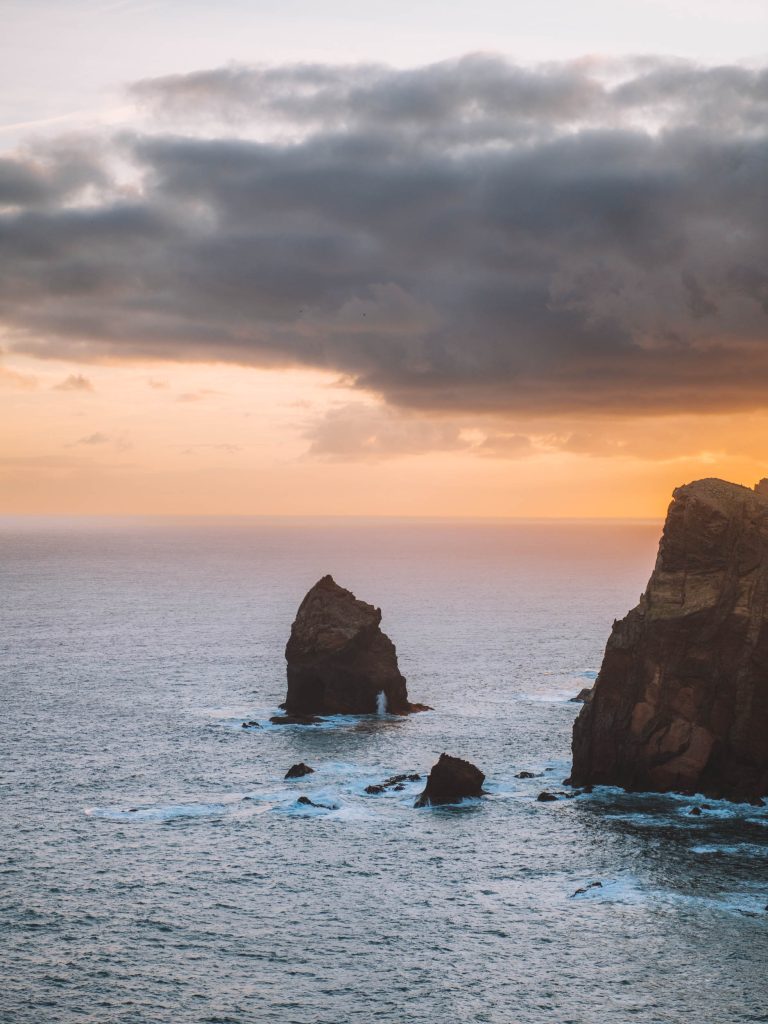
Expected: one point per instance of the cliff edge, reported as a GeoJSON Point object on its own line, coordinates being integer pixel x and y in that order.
{"type": "Point", "coordinates": [681, 700]}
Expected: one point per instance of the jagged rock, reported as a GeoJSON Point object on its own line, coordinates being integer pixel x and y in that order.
{"type": "Point", "coordinates": [339, 661]}
{"type": "Point", "coordinates": [545, 797]}
{"type": "Point", "coordinates": [583, 696]}
{"type": "Point", "coordinates": [251, 725]}
{"type": "Point", "coordinates": [298, 771]}
{"type": "Point", "coordinates": [450, 781]}
{"type": "Point", "coordinates": [395, 782]}
{"type": "Point", "coordinates": [681, 700]}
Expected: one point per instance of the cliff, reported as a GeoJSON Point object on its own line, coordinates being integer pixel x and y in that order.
{"type": "Point", "coordinates": [339, 661]}
{"type": "Point", "coordinates": [681, 700]}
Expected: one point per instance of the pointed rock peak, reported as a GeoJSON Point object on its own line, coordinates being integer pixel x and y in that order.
{"type": "Point", "coordinates": [339, 660]}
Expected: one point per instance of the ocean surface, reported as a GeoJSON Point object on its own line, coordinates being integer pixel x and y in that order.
{"type": "Point", "coordinates": [156, 867]}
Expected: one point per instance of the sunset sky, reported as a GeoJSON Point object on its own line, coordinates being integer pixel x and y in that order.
{"type": "Point", "coordinates": [466, 259]}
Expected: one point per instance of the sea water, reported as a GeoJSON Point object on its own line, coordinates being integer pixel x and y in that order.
{"type": "Point", "coordinates": [155, 866]}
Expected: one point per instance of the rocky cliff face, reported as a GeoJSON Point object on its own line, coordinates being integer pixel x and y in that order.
{"type": "Point", "coordinates": [339, 661]}
{"type": "Point", "coordinates": [681, 701]}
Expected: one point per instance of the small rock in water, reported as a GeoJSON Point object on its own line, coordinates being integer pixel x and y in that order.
{"type": "Point", "coordinates": [526, 775]}
{"type": "Point", "coordinates": [592, 885]}
{"type": "Point", "coordinates": [297, 771]}
{"type": "Point", "coordinates": [695, 810]}
{"type": "Point", "coordinates": [394, 782]}
{"type": "Point", "coordinates": [251, 725]}
{"type": "Point", "coordinates": [306, 802]}
{"type": "Point", "coordinates": [545, 797]}
{"type": "Point", "coordinates": [295, 720]}
{"type": "Point", "coordinates": [451, 780]}
{"type": "Point", "coordinates": [583, 696]}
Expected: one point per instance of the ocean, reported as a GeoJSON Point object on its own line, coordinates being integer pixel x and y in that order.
{"type": "Point", "coordinates": [156, 867]}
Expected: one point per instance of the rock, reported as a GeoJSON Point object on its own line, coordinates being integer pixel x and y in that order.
{"type": "Point", "coordinates": [526, 775]}
{"type": "Point", "coordinates": [395, 782]}
{"type": "Point", "coordinates": [339, 661]}
{"type": "Point", "coordinates": [695, 810]}
{"type": "Point", "coordinates": [450, 781]}
{"type": "Point", "coordinates": [583, 696]}
{"type": "Point", "coordinates": [251, 725]}
{"type": "Point", "coordinates": [306, 802]}
{"type": "Point", "coordinates": [681, 700]}
{"type": "Point", "coordinates": [545, 797]}
{"type": "Point", "coordinates": [298, 771]}
{"type": "Point", "coordinates": [295, 720]}
{"type": "Point", "coordinates": [592, 885]}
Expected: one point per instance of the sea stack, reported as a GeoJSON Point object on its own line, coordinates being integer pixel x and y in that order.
{"type": "Point", "coordinates": [339, 661]}
{"type": "Point", "coordinates": [681, 700]}
{"type": "Point", "coordinates": [450, 781]}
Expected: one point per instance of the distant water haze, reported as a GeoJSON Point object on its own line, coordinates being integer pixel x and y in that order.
{"type": "Point", "coordinates": [157, 866]}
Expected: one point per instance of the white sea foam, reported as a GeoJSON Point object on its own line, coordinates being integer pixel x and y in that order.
{"type": "Point", "coordinates": [732, 850]}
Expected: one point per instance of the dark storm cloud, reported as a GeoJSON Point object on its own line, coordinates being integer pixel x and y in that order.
{"type": "Point", "coordinates": [470, 236]}
{"type": "Point", "coordinates": [45, 178]}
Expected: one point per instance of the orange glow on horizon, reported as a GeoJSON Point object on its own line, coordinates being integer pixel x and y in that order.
{"type": "Point", "coordinates": [181, 439]}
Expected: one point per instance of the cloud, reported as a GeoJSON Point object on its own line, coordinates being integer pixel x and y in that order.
{"type": "Point", "coordinates": [97, 438]}
{"type": "Point", "coordinates": [74, 382]}
{"type": "Point", "coordinates": [356, 432]}
{"type": "Point", "coordinates": [120, 444]}
{"type": "Point", "coordinates": [469, 237]}
{"type": "Point", "coordinates": [18, 381]}
{"type": "Point", "coordinates": [506, 445]}
{"type": "Point", "coordinates": [45, 177]}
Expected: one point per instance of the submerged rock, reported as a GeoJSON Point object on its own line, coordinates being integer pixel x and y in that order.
{"type": "Point", "coordinates": [339, 661]}
{"type": "Point", "coordinates": [450, 781]}
{"type": "Point", "coordinates": [298, 771]}
{"type": "Point", "coordinates": [681, 700]}
{"type": "Point", "coordinates": [251, 725]}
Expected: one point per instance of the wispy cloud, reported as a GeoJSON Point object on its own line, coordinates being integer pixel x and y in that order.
{"type": "Point", "coordinates": [120, 443]}
{"type": "Point", "coordinates": [18, 381]}
{"type": "Point", "coordinates": [74, 382]}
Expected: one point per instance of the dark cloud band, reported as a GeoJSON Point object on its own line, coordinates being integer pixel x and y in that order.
{"type": "Point", "coordinates": [471, 236]}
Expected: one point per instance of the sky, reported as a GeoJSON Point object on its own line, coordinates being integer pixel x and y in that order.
{"type": "Point", "coordinates": [470, 259]}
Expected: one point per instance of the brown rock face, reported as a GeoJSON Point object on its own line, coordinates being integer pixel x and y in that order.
{"type": "Point", "coordinates": [681, 701]}
{"type": "Point", "coordinates": [339, 661]}
{"type": "Point", "coordinates": [450, 781]}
